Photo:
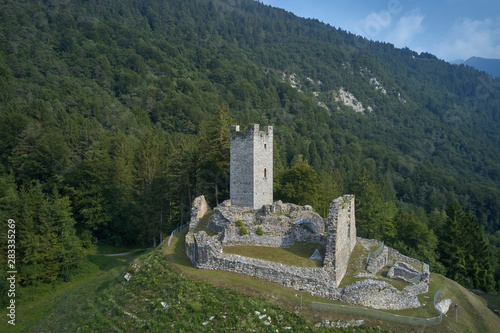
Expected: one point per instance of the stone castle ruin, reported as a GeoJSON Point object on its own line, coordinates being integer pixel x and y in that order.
{"type": "Point", "coordinates": [251, 217]}
{"type": "Point", "coordinates": [251, 166]}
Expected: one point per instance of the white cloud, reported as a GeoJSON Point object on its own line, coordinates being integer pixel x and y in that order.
{"type": "Point", "coordinates": [407, 27]}
{"type": "Point", "coordinates": [381, 26]}
{"type": "Point", "coordinates": [469, 37]}
{"type": "Point", "coordinates": [373, 24]}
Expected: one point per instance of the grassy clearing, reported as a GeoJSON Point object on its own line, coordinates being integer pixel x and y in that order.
{"type": "Point", "coordinates": [49, 308]}
{"type": "Point", "coordinates": [357, 263]}
{"type": "Point", "coordinates": [297, 255]}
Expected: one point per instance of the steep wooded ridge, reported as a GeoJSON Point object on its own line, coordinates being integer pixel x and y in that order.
{"type": "Point", "coordinates": [114, 116]}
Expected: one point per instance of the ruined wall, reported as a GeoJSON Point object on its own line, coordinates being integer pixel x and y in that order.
{"type": "Point", "coordinates": [376, 263]}
{"type": "Point", "coordinates": [403, 269]}
{"type": "Point", "coordinates": [251, 166]}
{"type": "Point", "coordinates": [416, 289]}
{"type": "Point", "coordinates": [341, 235]}
{"type": "Point", "coordinates": [202, 249]}
{"type": "Point", "coordinates": [280, 230]}
{"type": "Point", "coordinates": [396, 256]}
{"type": "Point", "coordinates": [198, 209]}
{"type": "Point", "coordinates": [378, 295]}
{"type": "Point", "coordinates": [206, 253]}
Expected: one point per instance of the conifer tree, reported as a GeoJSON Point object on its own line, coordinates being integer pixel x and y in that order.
{"type": "Point", "coordinates": [373, 214]}
{"type": "Point", "coordinates": [47, 246]}
{"type": "Point", "coordinates": [479, 254]}
{"type": "Point", "coordinates": [464, 251]}
{"type": "Point", "coordinates": [451, 249]}
{"type": "Point", "coordinates": [299, 184]}
{"type": "Point", "coordinates": [150, 192]}
{"type": "Point", "coordinates": [214, 156]}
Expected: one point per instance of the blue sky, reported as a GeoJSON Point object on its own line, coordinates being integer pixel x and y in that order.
{"type": "Point", "coordinates": [449, 29]}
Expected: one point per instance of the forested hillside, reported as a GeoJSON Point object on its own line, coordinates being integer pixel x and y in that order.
{"type": "Point", "coordinates": [114, 116]}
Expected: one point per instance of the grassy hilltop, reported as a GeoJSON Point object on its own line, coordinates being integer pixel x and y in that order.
{"type": "Point", "coordinates": [167, 294]}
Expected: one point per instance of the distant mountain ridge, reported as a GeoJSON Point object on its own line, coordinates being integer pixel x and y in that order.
{"type": "Point", "coordinates": [491, 66]}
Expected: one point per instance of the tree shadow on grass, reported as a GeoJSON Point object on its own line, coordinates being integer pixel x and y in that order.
{"type": "Point", "coordinates": [305, 250]}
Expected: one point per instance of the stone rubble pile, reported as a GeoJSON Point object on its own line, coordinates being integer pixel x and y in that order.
{"type": "Point", "coordinates": [340, 324]}
{"type": "Point", "coordinates": [378, 295]}
{"type": "Point", "coordinates": [443, 306]}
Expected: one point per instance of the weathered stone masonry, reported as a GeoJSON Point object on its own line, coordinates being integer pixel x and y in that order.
{"type": "Point", "coordinates": [341, 236]}
{"type": "Point", "coordinates": [206, 252]}
{"type": "Point", "coordinates": [281, 230]}
{"type": "Point", "coordinates": [251, 166]}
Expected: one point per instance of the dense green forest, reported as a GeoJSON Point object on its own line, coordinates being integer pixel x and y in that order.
{"type": "Point", "coordinates": [114, 116]}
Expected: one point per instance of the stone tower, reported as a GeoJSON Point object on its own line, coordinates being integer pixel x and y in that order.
{"type": "Point", "coordinates": [251, 166]}
{"type": "Point", "coordinates": [341, 236]}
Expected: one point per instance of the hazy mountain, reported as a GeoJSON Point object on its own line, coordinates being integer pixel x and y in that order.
{"type": "Point", "coordinates": [491, 66]}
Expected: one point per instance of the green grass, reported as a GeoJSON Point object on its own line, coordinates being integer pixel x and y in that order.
{"type": "Point", "coordinates": [109, 249]}
{"type": "Point", "coordinates": [159, 299]}
{"type": "Point", "coordinates": [297, 255]}
{"type": "Point", "coordinates": [168, 294]}
{"type": "Point", "coordinates": [477, 318]}
{"type": "Point", "coordinates": [202, 225]}
{"type": "Point", "coordinates": [50, 308]}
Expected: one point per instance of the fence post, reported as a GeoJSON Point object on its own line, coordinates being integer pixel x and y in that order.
{"type": "Point", "coordinates": [176, 231]}
{"type": "Point", "coordinates": [436, 296]}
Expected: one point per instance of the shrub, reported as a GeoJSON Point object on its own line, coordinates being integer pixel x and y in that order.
{"type": "Point", "coordinates": [243, 231]}
{"type": "Point", "coordinates": [239, 223]}
{"type": "Point", "coordinates": [259, 231]}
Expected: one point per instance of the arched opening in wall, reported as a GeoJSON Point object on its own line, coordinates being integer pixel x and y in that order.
{"type": "Point", "coordinates": [265, 172]}
{"type": "Point", "coordinates": [265, 145]}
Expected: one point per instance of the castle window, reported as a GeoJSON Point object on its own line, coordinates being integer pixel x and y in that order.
{"type": "Point", "coordinates": [265, 172]}
{"type": "Point", "coordinates": [265, 145]}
